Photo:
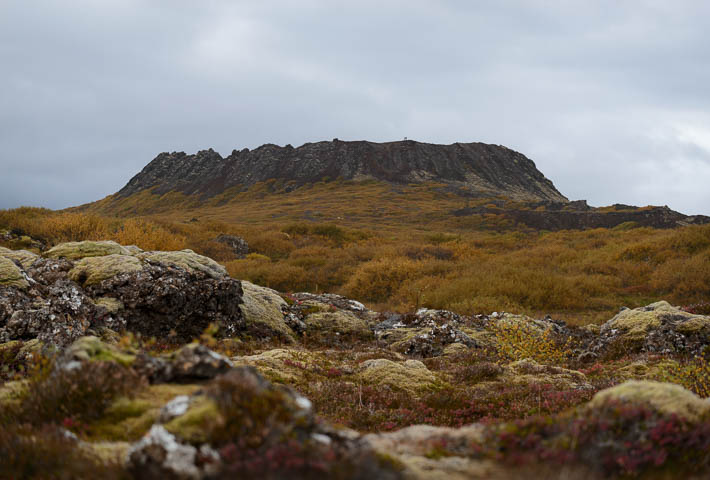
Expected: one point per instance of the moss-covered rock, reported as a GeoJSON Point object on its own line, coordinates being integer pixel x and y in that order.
{"type": "Point", "coordinates": [262, 311]}
{"type": "Point", "coordinates": [187, 260]}
{"type": "Point", "coordinates": [531, 372]}
{"type": "Point", "coordinates": [92, 349]}
{"type": "Point", "coordinates": [128, 419]}
{"type": "Point", "coordinates": [412, 375]}
{"type": "Point", "coordinates": [664, 398]}
{"type": "Point", "coordinates": [336, 326]}
{"type": "Point", "coordinates": [77, 250]}
{"type": "Point", "coordinates": [11, 275]}
{"type": "Point", "coordinates": [11, 393]}
{"type": "Point", "coordinates": [112, 305]}
{"type": "Point", "coordinates": [25, 257]}
{"type": "Point", "coordinates": [658, 327]}
{"type": "Point", "coordinates": [94, 270]}
{"type": "Point", "coordinates": [280, 365]}
{"type": "Point", "coordinates": [194, 425]}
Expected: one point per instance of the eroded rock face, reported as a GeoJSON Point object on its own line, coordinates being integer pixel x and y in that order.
{"type": "Point", "coordinates": [475, 166]}
{"type": "Point", "coordinates": [79, 288]}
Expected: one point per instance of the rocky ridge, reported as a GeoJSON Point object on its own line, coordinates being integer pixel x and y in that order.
{"type": "Point", "coordinates": [477, 168]}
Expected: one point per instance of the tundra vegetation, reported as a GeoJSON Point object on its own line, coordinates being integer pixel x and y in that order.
{"type": "Point", "coordinates": [499, 352]}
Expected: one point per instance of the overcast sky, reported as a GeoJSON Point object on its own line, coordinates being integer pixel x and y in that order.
{"type": "Point", "coordinates": [611, 99]}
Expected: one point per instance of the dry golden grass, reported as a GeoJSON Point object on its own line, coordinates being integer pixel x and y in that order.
{"type": "Point", "coordinates": [400, 247]}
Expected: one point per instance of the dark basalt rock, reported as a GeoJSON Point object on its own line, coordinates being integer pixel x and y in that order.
{"type": "Point", "coordinates": [160, 299]}
{"type": "Point", "coordinates": [578, 215]}
{"type": "Point", "coordinates": [475, 167]}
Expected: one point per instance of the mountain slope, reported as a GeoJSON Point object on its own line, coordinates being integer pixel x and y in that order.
{"type": "Point", "coordinates": [474, 168]}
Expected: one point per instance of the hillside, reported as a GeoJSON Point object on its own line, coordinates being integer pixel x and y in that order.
{"type": "Point", "coordinates": [474, 168]}
{"type": "Point", "coordinates": [400, 185]}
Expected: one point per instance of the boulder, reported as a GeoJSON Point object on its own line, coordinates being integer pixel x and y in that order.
{"type": "Point", "coordinates": [262, 309]}
{"type": "Point", "coordinates": [11, 275]}
{"type": "Point", "coordinates": [188, 260]}
{"type": "Point", "coordinates": [84, 288]}
{"type": "Point", "coordinates": [93, 270]}
{"type": "Point", "coordinates": [24, 257]}
{"type": "Point", "coordinates": [337, 326]}
{"type": "Point", "coordinates": [663, 398]}
{"type": "Point", "coordinates": [656, 328]}
{"type": "Point", "coordinates": [238, 245]}
{"type": "Point", "coordinates": [412, 375]}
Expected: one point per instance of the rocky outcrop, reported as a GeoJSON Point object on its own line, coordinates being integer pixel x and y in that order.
{"type": "Point", "coordinates": [80, 288]}
{"type": "Point", "coordinates": [578, 215]}
{"type": "Point", "coordinates": [475, 167]}
{"type": "Point", "coordinates": [656, 328]}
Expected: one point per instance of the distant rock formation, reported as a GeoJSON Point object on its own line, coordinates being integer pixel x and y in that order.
{"type": "Point", "coordinates": [477, 168]}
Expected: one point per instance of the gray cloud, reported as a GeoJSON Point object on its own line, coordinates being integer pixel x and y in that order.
{"type": "Point", "coordinates": [610, 99]}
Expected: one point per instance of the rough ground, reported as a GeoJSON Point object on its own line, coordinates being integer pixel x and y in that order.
{"type": "Point", "coordinates": [133, 364]}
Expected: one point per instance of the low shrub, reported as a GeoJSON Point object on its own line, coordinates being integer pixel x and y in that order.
{"type": "Point", "coordinates": [519, 340]}
{"type": "Point", "coordinates": [693, 375]}
{"type": "Point", "coordinates": [76, 396]}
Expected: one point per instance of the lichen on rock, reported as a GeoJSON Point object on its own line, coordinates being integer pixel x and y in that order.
{"type": "Point", "coordinates": [656, 328]}
{"type": "Point", "coordinates": [412, 375]}
{"type": "Point", "coordinates": [187, 260]}
{"type": "Point", "coordinates": [664, 398]}
{"type": "Point", "coordinates": [25, 257]}
{"type": "Point", "coordinates": [93, 270]}
{"type": "Point", "coordinates": [337, 326]}
{"type": "Point", "coordinates": [262, 309]}
{"type": "Point", "coordinates": [11, 275]}
{"type": "Point", "coordinates": [77, 250]}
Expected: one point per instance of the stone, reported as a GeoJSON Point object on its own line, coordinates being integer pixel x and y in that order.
{"type": "Point", "coordinates": [93, 270]}
{"type": "Point", "coordinates": [25, 258]}
{"type": "Point", "coordinates": [11, 275]}
{"type": "Point", "coordinates": [664, 398]}
{"type": "Point", "coordinates": [262, 309]}
{"type": "Point", "coordinates": [239, 246]}
{"type": "Point", "coordinates": [77, 250]}
{"type": "Point", "coordinates": [188, 260]}
{"type": "Point", "coordinates": [411, 376]}
{"type": "Point", "coordinates": [656, 328]}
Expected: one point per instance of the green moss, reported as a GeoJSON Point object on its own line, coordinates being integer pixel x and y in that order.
{"type": "Point", "coordinates": [261, 308]}
{"type": "Point", "coordinates": [129, 419]}
{"type": "Point", "coordinates": [11, 393]}
{"type": "Point", "coordinates": [11, 275]}
{"type": "Point", "coordinates": [77, 250]}
{"type": "Point", "coordinates": [113, 305]}
{"type": "Point", "coordinates": [636, 324]}
{"type": "Point", "coordinates": [93, 349]}
{"type": "Point", "coordinates": [25, 258]}
{"type": "Point", "coordinates": [411, 376]}
{"type": "Point", "coordinates": [188, 260]}
{"type": "Point", "coordinates": [694, 324]}
{"type": "Point", "coordinates": [93, 270]}
{"type": "Point", "coordinates": [337, 323]}
{"type": "Point", "coordinates": [530, 372]}
{"type": "Point", "coordinates": [194, 425]}
{"type": "Point", "coordinates": [665, 398]}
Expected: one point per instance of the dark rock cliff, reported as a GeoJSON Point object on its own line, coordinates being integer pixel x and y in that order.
{"type": "Point", "coordinates": [476, 167]}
